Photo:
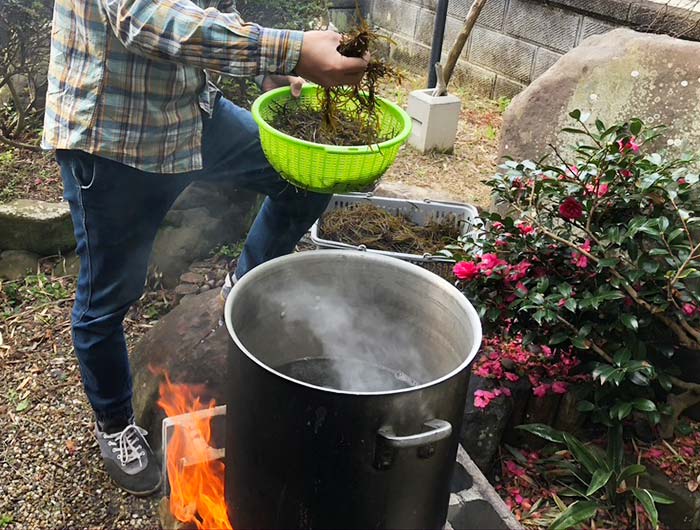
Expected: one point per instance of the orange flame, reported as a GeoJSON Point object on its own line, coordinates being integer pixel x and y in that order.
{"type": "Point", "coordinates": [197, 490]}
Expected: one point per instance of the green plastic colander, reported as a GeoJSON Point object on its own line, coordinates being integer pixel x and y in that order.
{"type": "Point", "coordinates": [329, 168]}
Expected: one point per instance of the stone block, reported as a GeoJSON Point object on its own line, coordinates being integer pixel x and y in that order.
{"type": "Point", "coordinates": [16, 264]}
{"type": "Point", "coordinates": [396, 15]}
{"type": "Point", "coordinates": [507, 88]}
{"type": "Point", "coordinates": [492, 15]}
{"type": "Point", "coordinates": [426, 27]}
{"type": "Point", "coordinates": [480, 80]}
{"type": "Point", "coordinates": [550, 26]}
{"type": "Point", "coordinates": [617, 10]}
{"type": "Point", "coordinates": [660, 18]}
{"type": "Point", "coordinates": [595, 26]}
{"type": "Point", "coordinates": [435, 121]}
{"type": "Point", "coordinates": [44, 228]}
{"type": "Point", "coordinates": [503, 54]}
{"type": "Point", "coordinates": [544, 61]}
{"type": "Point", "coordinates": [412, 55]}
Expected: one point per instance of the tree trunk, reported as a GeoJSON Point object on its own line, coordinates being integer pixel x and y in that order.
{"type": "Point", "coordinates": [462, 38]}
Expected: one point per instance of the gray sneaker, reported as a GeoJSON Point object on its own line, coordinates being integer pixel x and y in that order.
{"type": "Point", "coordinates": [129, 460]}
{"type": "Point", "coordinates": [229, 282]}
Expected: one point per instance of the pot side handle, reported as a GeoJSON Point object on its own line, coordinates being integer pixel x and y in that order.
{"type": "Point", "coordinates": [388, 443]}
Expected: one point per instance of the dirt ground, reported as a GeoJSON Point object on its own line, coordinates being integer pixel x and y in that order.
{"type": "Point", "coordinates": [51, 476]}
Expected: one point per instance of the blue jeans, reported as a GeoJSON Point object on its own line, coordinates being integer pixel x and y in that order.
{"type": "Point", "coordinates": [116, 213]}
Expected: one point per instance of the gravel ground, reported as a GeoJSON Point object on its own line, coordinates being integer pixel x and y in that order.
{"type": "Point", "coordinates": [51, 474]}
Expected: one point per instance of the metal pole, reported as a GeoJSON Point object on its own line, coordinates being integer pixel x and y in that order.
{"type": "Point", "coordinates": [438, 39]}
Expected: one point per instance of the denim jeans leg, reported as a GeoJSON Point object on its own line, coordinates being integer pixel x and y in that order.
{"type": "Point", "coordinates": [232, 152]}
{"type": "Point", "coordinates": [116, 213]}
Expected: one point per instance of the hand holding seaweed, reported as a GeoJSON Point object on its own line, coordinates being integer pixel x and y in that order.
{"type": "Point", "coordinates": [344, 115]}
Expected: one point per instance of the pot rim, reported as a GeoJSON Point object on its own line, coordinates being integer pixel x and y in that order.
{"type": "Point", "coordinates": [366, 257]}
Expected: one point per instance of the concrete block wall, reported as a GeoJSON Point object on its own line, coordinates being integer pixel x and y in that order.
{"type": "Point", "coordinates": [514, 41]}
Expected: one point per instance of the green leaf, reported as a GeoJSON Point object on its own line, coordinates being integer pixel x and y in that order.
{"type": "Point", "coordinates": [575, 114]}
{"type": "Point", "coordinates": [644, 405]}
{"type": "Point", "coordinates": [663, 223]}
{"type": "Point", "coordinates": [575, 514]}
{"type": "Point", "coordinates": [621, 411]}
{"type": "Point", "coordinates": [22, 405]}
{"type": "Point", "coordinates": [636, 127]}
{"type": "Point", "coordinates": [630, 321]}
{"type": "Point", "coordinates": [616, 447]}
{"type": "Point", "coordinates": [558, 338]}
{"type": "Point", "coordinates": [599, 480]}
{"type": "Point", "coordinates": [660, 498]}
{"type": "Point", "coordinates": [581, 453]}
{"type": "Point", "coordinates": [543, 431]}
{"type": "Point", "coordinates": [631, 471]}
{"type": "Point", "coordinates": [647, 501]}
{"type": "Point", "coordinates": [585, 406]}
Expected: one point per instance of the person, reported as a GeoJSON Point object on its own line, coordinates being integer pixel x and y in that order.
{"type": "Point", "coordinates": [134, 120]}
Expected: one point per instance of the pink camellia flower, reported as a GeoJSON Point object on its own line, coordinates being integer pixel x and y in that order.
{"type": "Point", "coordinates": [599, 191]}
{"type": "Point", "coordinates": [514, 469]}
{"type": "Point", "coordinates": [512, 377]}
{"type": "Point", "coordinates": [579, 259]}
{"type": "Point", "coordinates": [541, 390]}
{"type": "Point", "coordinates": [629, 145]}
{"type": "Point", "coordinates": [501, 243]}
{"type": "Point", "coordinates": [654, 453]}
{"type": "Point", "coordinates": [562, 302]}
{"type": "Point", "coordinates": [626, 173]}
{"type": "Point", "coordinates": [521, 288]}
{"type": "Point", "coordinates": [682, 181]}
{"type": "Point", "coordinates": [519, 271]}
{"type": "Point", "coordinates": [489, 263]}
{"type": "Point", "coordinates": [546, 350]}
{"type": "Point", "coordinates": [571, 209]}
{"type": "Point", "coordinates": [689, 309]}
{"type": "Point", "coordinates": [466, 270]}
{"type": "Point", "coordinates": [498, 225]}
{"type": "Point", "coordinates": [482, 398]}
{"type": "Point", "coordinates": [560, 388]}
{"type": "Point", "coordinates": [526, 229]}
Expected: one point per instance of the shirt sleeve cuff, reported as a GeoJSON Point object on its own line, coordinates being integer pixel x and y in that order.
{"type": "Point", "coordinates": [279, 51]}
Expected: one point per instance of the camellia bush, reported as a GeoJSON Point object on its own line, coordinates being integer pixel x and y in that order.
{"type": "Point", "coordinates": [597, 264]}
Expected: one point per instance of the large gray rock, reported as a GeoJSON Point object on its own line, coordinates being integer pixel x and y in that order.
{"type": "Point", "coordinates": [205, 216]}
{"type": "Point", "coordinates": [44, 228]}
{"type": "Point", "coordinates": [15, 264]}
{"type": "Point", "coordinates": [616, 76]}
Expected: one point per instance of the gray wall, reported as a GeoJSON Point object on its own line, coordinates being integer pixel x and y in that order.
{"type": "Point", "coordinates": [514, 41]}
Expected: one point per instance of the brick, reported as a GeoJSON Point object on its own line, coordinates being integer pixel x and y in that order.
{"type": "Point", "coordinates": [492, 16]}
{"type": "Point", "coordinates": [549, 26]}
{"type": "Point", "coordinates": [395, 15]}
{"type": "Point", "coordinates": [595, 26]}
{"type": "Point", "coordinates": [617, 10]}
{"type": "Point", "coordinates": [479, 80]}
{"type": "Point", "coordinates": [502, 53]}
{"type": "Point", "coordinates": [544, 61]}
{"type": "Point", "coordinates": [507, 88]}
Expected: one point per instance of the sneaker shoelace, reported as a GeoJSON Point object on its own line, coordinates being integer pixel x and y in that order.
{"type": "Point", "coordinates": [127, 444]}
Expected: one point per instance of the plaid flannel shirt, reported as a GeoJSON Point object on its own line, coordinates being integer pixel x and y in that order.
{"type": "Point", "coordinates": [127, 77]}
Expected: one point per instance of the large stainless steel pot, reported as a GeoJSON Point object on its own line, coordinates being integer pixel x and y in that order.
{"type": "Point", "coordinates": [348, 378]}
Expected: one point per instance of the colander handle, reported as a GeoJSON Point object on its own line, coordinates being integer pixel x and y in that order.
{"type": "Point", "coordinates": [388, 443]}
